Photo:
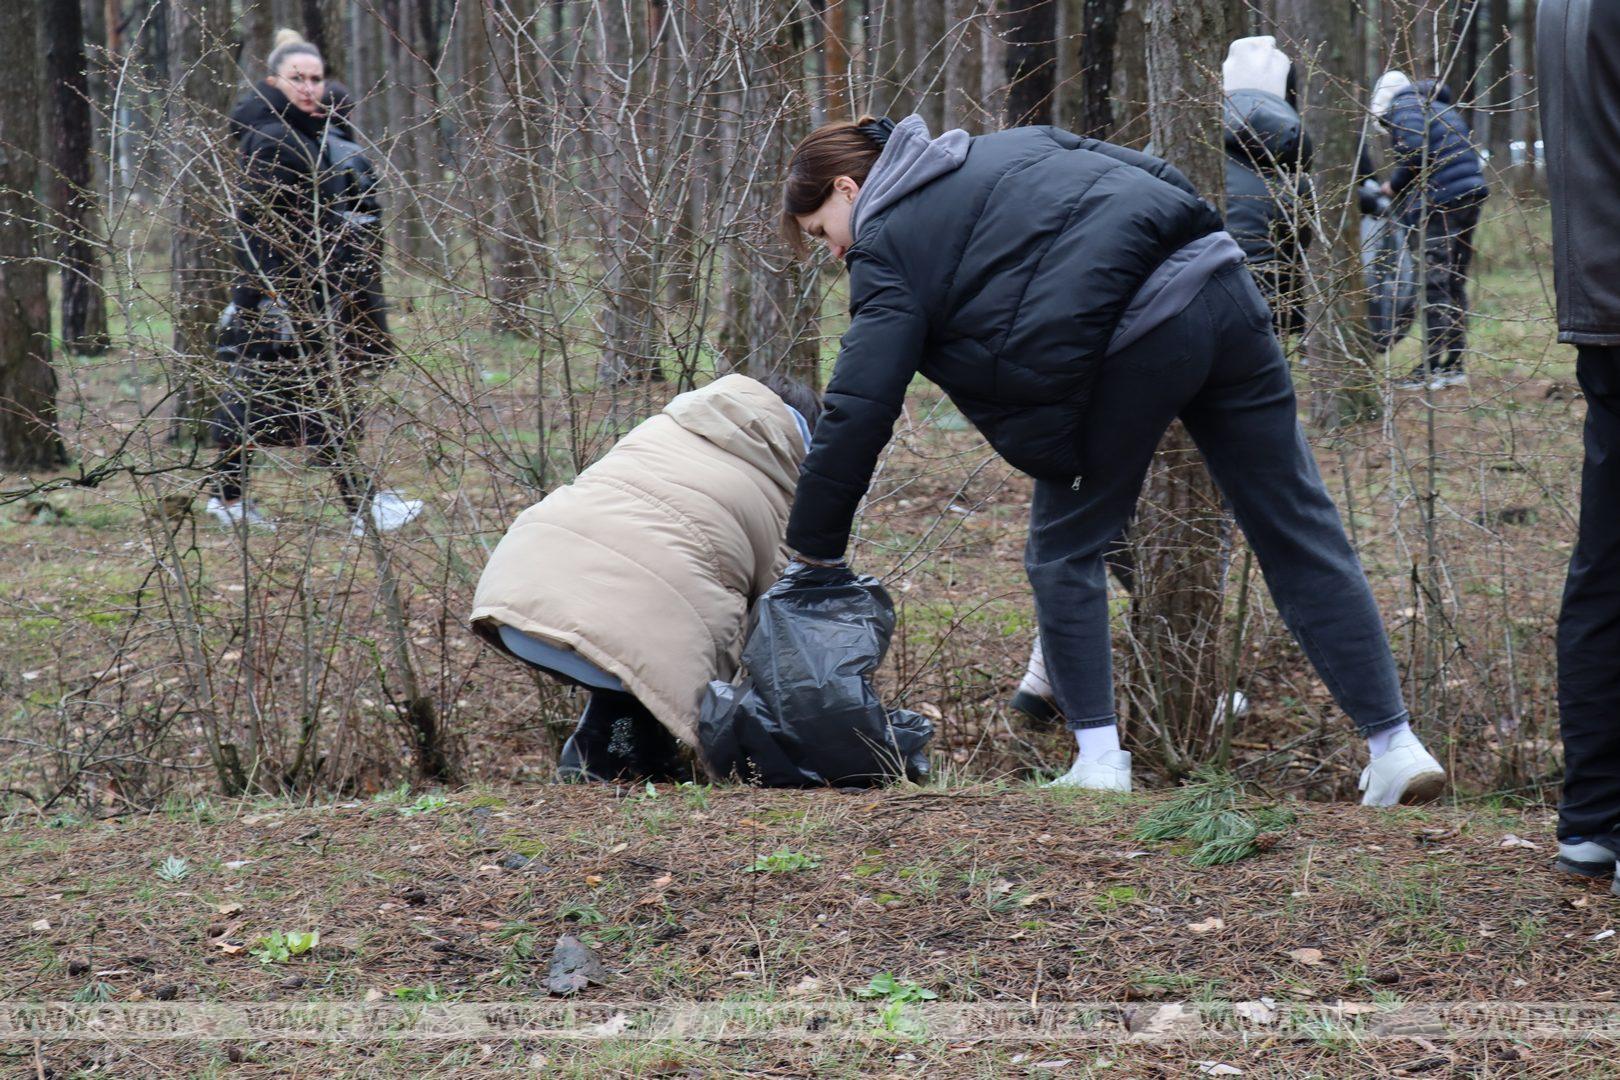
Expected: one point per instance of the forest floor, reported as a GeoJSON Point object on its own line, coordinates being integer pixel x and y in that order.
{"type": "Point", "coordinates": [980, 930]}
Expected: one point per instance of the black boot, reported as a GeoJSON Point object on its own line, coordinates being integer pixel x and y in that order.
{"type": "Point", "coordinates": [618, 739]}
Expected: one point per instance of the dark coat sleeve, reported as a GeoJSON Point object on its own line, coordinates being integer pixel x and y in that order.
{"type": "Point", "coordinates": [1408, 138]}
{"type": "Point", "coordinates": [277, 195]}
{"type": "Point", "coordinates": [880, 353]}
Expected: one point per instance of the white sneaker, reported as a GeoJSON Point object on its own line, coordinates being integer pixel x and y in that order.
{"type": "Point", "coordinates": [1111, 772]}
{"type": "Point", "coordinates": [389, 513]}
{"type": "Point", "coordinates": [238, 514]}
{"type": "Point", "coordinates": [1448, 377]}
{"type": "Point", "coordinates": [1583, 857]}
{"type": "Point", "coordinates": [1406, 773]}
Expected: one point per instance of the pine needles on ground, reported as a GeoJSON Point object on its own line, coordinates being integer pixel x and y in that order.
{"type": "Point", "coordinates": [1210, 812]}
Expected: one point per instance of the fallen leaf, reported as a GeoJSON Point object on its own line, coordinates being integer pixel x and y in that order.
{"type": "Point", "coordinates": [1218, 1068]}
{"type": "Point", "coordinates": [237, 864]}
{"type": "Point", "coordinates": [374, 994]}
{"type": "Point", "coordinates": [663, 880]}
{"type": "Point", "coordinates": [593, 880]}
{"type": "Point", "coordinates": [618, 1024]}
{"type": "Point", "coordinates": [1604, 936]}
{"type": "Point", "coordinates": [229, 908]}
{"type": "Point", "coordinates": [807, 985]}
{"type": "Point", "coordinates": [1214, 922]}
{"type": "Point", "coordinates": [752, 824]}
{"type": "Point", "coordinates": [616, 848]}
{"type": "Point", "coordinates": [1056, 1064]}
{"type": "Point", "coordinates": [1263, 1011]}
{"type": "Point", "coordinates": [231, 948]}
{"type": "Point", "coordinates": [42, 925]}
{"type": "Point", "coordinates": [260, 819]}
{"type": "Point", "coordinates": [1511, 841]}
{"type": "Point", "coordinates": [1137, 854]}
{"type": "Point", "coordinates": [1308, 957]}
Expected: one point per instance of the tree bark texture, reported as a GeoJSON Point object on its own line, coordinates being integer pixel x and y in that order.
{"type": "Point", "coordinates": [28, 436]}
{"type": "Point", "coordinates": [72, 186]}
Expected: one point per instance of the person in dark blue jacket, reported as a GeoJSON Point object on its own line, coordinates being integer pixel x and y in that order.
{"type": "Point", "coordinates": [1438, 183]}
{"type": "Point", "coordinates": [1073, 298]}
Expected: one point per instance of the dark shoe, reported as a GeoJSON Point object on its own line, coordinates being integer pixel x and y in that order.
{"type": "Point", "coordinates": [618, 739]}
{"type": "Point", "coordinates": [1583, 858]}
{"type": "Point", "coordinates": [1038, 709]}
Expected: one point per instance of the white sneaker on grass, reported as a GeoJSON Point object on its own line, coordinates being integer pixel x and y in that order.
{"type": "Point", "coordinates": [235, 515]}
{"type": "Point", "coordinates": [1110, 772]}
{"type": "Point", "coordinates": [1404, 774]}
{"type": "Point", "coordinates": [389, 513]}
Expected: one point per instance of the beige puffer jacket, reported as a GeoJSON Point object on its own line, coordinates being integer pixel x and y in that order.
{"type": "Point", "coordinates": [647, 564]}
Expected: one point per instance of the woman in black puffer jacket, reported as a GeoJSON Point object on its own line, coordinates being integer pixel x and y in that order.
{"type": "Point", "coordinates": [306, 311]}
{"type": "Point", "coordinates": [1073, 298]}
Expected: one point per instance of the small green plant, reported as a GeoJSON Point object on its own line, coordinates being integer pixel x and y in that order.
{"type": "Point", "coordinates": [173, 870]}
{"type": "Point", "coordinates": [93, 993]}
{"type": "Point", "coordinates": [783, 861]}
{"type": "Point", "coordinates": [884, 986]}
{"type": "Point", "coordinates": [583, 914]}
{"type": "Point", "coordinates": [425, 992]}
{"type": "Point", "coordinates": [278, 947]}
{"type": "Point", "coordinates": [696, 796]}
{"type": "Point", "coordinates": [428, 803]}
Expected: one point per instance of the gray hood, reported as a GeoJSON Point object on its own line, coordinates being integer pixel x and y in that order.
{"type": "Point", "coordinates": [910, 159]}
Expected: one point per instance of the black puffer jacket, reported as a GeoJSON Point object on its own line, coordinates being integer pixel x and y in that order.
{"type": "Point", "coordinates": [1578, 69]}
{"type": "Point", "coordinates": [1269, 193]}
{"type": "Point", "coordinates": [1002, 281]}
{"type": "Point", "coordinates": [1430, 141]}
{"type": "Point", "coordinates": [307, 209]}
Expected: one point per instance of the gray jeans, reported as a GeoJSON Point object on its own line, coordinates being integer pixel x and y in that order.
{"type": "Point", "coordinates": [1219, 368]}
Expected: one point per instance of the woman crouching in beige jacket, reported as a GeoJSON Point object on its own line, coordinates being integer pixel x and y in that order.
{"type": "Point", "coordinates": [635, 581]}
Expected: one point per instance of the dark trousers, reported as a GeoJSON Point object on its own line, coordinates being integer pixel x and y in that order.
{"type": "Point", "coordinates": [1219, 368]}
{"type": "Point", "coordinates": [1448, 251]}
{"type": "Point", "coordinates": [230, 473]}
{"type": "Point", "coordinates": [1589, 623]}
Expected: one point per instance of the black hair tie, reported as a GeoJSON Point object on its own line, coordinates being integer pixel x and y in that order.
{"type": "Point", "coordinates": [878, 131]}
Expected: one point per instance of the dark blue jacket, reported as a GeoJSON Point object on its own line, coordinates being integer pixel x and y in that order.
{"type": "Point", "coordinates": [1003, 282]}
{"type": "Point", "coordinates": [1430, 141]}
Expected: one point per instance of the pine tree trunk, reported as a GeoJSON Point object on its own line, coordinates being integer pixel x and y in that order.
{"type": "Point", "coordinates": [1323, 40]}
{"type": "Point", "coordinates": [1031, 33]}
{"type": "Point", "coordinates": [1099, 32]}
{"type": "Point", "coordinates": [28, 436]}
{"type": "Point", "coordinates": [201, 80]}
{"type": "Point", "coordinates": [72, 189]}
{"type": "Point", "coordinates": [1179, 534]}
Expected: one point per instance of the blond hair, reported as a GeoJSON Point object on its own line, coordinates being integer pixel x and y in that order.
{"type": "Point", "coordinates": [288, 43]}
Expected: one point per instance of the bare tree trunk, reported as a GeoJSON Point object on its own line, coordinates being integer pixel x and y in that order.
{"type": "Point", "coordinates": [1130, 83]}
{"type": "Point", "coordinates": [1031, 59]}
{"type": "Point", "coordinates": [323, 28]}
{"type": "Point", "coordinates": [835, 36]}
{"type": "Point", "coordinates": [199, 260]}
{"type": "Point", "coordinates": [72, 190]}
{"type": "Point", "coordinates": [1176, 599]}
{"type": "Point", "coordinates": [1099, 32]}
{"type": "Point", "coordinates": [28, 435]}
{"type": "Point", "coordinates": [1324, 41]}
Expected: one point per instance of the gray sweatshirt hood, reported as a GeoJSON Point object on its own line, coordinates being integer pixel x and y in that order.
{"type": "Point", "coordinates": [910, 159]}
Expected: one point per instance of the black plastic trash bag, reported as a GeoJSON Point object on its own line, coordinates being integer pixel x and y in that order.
{"type": "Point", "coordinates": [1390, 272]}
{"type": "Point", "coordinates": [804, 713]}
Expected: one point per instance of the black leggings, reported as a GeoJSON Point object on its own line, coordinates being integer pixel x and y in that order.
{"type": "Point", "coordinates": [229, 474]}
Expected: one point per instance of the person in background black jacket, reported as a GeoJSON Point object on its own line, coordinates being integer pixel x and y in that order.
{"type": "Point", "coordinates": [1437, 182]}
{"type": "Point", "coordinates": [1269, 194]}
{"type": "Point", "coordinates": [1578, 65]}
{"type": "Point", "coordinates": [1073, 298]}
{"type": "Point", "coordinates": [306, 309]}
